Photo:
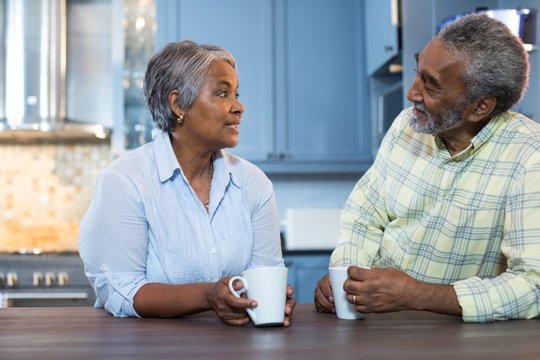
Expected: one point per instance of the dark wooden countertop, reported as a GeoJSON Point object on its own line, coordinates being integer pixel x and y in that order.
{"type": "Point", "coordinates": [88, 333]}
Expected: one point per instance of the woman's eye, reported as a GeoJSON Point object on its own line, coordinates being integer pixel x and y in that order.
{"type": "Point", "coordinates": [237, 95]}
{"type": "Point", "coordinates": [223, 94]}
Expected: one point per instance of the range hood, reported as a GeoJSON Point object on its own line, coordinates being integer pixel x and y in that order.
{"type": "Point", "coordinates": [33, 74]}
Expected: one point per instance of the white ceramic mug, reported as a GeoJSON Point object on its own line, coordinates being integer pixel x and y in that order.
{"type": "Point", "coordinates": [267, 286]}
{"type": "Point", "coordinates": [344, 309]}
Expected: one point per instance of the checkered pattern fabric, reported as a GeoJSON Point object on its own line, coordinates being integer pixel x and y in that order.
{"type": "Point", "coordinates": [471, 220]}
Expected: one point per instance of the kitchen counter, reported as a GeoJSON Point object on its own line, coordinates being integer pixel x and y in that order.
{"type": "Point", "coordinates": [88, 333]}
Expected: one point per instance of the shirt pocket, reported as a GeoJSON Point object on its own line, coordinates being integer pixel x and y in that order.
{"type": "Point", "coordinates": [474, 214]}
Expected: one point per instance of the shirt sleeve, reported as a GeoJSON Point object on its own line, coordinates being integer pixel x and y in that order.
{"type": "Point", "coordinates": [363, 218]}
{"type": "Point", "coordinates": [113, 243]}
{"type": "Point", "coordinates": [264, 221]}
{"type": "Point", "coordinates": [515, 294]}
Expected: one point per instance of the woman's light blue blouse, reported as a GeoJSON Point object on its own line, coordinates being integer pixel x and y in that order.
{"type": "Point", "coordinates": [146, 224]}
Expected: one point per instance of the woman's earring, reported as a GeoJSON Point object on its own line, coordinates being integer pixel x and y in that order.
{"type": "Point", "coordinates": [180, 119]}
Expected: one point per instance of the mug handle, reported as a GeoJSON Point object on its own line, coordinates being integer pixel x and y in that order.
{"type": "Point", "coordinates": [241, 291]}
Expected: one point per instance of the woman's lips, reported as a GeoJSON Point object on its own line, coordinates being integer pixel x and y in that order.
{"type": "Point", "coordinates": [233, 127]}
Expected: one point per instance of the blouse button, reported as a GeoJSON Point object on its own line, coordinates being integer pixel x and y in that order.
{"type": "Point", "coordinates": [213, 250]}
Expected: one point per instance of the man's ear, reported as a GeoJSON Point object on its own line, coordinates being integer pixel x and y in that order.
{"type": "Point", "coordinates": [173, 103]}
{"type": "Point", "coordinates": [482, 109]}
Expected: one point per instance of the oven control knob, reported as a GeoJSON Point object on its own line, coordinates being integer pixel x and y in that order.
{"type": "Point", "coordinates": [11, 279]}
{"type": "Point", "coordinates": [49, 278]}
{"type": "Point", "coordinates": [63, 278]}
{"type": "Point", "coordinates": [37, 278]}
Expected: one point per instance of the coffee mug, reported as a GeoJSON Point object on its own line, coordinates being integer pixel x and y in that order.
{"type": "Point", "coordinates": [344, 309]}
{"type": "Point", "coordinates": [267, 286]}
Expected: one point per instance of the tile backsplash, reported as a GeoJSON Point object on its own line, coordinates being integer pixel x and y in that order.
{"type": "Point", "coordinates": [45, 189]}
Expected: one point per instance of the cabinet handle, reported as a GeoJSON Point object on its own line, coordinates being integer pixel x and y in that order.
{"type": "Point", "coordinates": [276, 157]}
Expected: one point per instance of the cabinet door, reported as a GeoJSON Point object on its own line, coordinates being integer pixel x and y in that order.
{"type": "Point", "coordinates": [244, 27]}
{"type": "Point", "coordinates": [321, 105]}
{"type": "Point", "coordinates": [419, 23]}
{"type": "Point", "coordinates": [94, 62]}
{"type": "Point", "coordinates": [381, 20]}
{"type": "Point", "coordinates": [304, 272]}
{"type": "Point", "coordinates": [529, 105]}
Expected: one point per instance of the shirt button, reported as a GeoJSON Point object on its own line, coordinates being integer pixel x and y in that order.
{"type": "Point", "coordinates": [213, 250]}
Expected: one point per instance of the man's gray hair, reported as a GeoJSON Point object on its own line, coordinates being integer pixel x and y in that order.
{"type": "Point", "coordinates": [181, 66]}
{"type": "Point", "coordinates": [498, 62]}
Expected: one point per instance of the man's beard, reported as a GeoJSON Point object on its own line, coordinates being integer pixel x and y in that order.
{"type": "Point", "coordinates": [437, 123]}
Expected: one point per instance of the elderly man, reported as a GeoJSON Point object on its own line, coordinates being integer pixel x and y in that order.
{"type": "Point", "coordinates": [448, 216]}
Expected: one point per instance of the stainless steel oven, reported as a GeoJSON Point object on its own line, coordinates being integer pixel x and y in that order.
{"type": "Point", "coordinates": [50, 279]}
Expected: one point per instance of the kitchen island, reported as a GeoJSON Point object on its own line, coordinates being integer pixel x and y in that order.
{"type": "Point", "coordinates": [89, 333]}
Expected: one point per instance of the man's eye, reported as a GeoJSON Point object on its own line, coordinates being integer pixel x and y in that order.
{"type": "Point", "coordinates": [223, 94]}
{"type": "Point", "coordinates": [237, 95]}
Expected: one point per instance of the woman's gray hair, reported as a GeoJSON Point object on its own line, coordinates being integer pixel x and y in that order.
{"type": "Point", "coordinates": [181, 66]}
{"type": "Point", "coordinates": [498, 62]}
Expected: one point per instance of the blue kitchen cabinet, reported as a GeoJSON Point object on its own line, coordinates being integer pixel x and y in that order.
{"type": "Point", "coordinates": [382, 32]}
{"type": "Point", "coordinates": [321, 112]}
{"type": "Point", "coordinates": [419, 22]}
{"type": "Point", "coordinates": [301, 72]}
{"type": "Point", "coordinates": [304, 272]}
{"type": "Point", "coordinates": [244, 27]}
{"type": "Point", "coordinates": [421, 17]}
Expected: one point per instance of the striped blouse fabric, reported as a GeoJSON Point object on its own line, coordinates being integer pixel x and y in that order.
{"type": "Point", "coordinates": [146, 224]}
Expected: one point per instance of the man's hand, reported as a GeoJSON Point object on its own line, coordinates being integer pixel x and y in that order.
{"type": "Point", "coordinates": [385, 290]}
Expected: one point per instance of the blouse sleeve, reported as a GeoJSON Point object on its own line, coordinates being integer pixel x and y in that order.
{"type": "Point", "coordinates": [113, 243]}
{"type": "Point", "coordinates": [264, 221]}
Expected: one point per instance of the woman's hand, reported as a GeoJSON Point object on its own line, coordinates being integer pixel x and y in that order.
{"type": "Point", "coordinates": [230, 309]}
{"type": "Point", "coordinates": [324, 301]}
{"type": "Point", "coordinates": [289, 306]}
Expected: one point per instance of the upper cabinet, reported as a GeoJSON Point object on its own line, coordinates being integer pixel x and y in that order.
{"type": "Point", "coordinates": [419, 22]}
{"type": "Point", "coordinates": [244, 27]}
{"type": "Point", "coordinates": [93, 75]}
{"type": "Point", "coordinates": [529, 105]}
{"type": "Point", "coordinates": [301, 72]}
{"type": "Point", "coordinates": [383, 65]}
{"type": "Point", "coordinates": [382, 32]}
{"type": "Point", "coordinates": [321, 114]}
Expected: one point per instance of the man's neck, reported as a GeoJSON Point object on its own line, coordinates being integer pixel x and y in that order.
{"type": "Point", "coordinates": [457, 140]}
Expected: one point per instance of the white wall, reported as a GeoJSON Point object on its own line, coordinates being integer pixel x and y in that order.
{"type": "Point", "coordinates": [318, 190]}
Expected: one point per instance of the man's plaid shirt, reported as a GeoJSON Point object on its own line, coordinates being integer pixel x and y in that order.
{"type": "Point", "coordinates": [471, 220]}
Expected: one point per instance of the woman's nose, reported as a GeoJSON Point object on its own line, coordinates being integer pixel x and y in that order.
{"type": "Point", "coordinates": [238, 108]}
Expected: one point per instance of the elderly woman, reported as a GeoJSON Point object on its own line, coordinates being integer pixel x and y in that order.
{"type": "Point", "coordinates": [173, 220]}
